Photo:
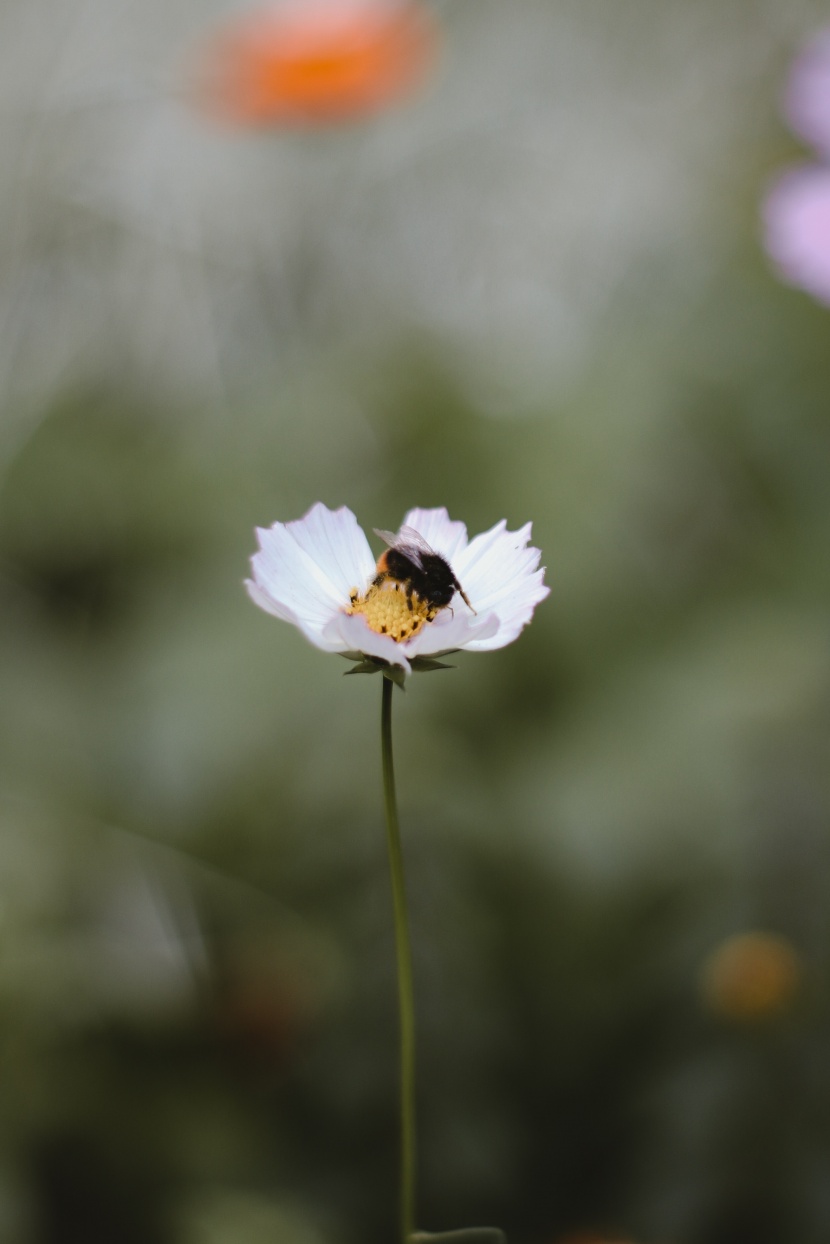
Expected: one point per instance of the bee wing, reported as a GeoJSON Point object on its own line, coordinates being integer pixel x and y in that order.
{"type": "Point", "coordinates": [410, 542]}
{"type": "Point", "coordinates": [388, 537]}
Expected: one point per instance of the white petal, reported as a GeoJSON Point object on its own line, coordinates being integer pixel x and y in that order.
{"type": "Point", "coordinates": [499, 573]}
{"type": "Point", "coordinates": [306, 568]}
{"type": "Point", "coordinates": [337, 544]}
{"type": "Point", "coordinates": [453, 628]}
{"type": "Point", "coordinates": [439, 531]}
{"type": "Point", "coordinates": [514, 615]}
{"type": "Point", "coordinates": [312, 632]}
{"type": "Point", "coordinates": [261, 598]}
{"type": "Point", "coordinates": [351, 633]}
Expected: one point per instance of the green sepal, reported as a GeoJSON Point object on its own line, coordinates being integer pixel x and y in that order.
{"type": "Point", "coordinates": [423, 665]}
{"type": "Point", "coordinates": [376, 665]}
{"type": "Point", "coordinates": [364, 667]}
{"type": "Point", "coordinates": [396, 674]}
{"type": "Point", "coordinates": [465, 1235]}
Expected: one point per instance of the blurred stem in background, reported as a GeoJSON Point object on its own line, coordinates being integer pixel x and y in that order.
{"type": "Point", "coordinates": [403, 952]}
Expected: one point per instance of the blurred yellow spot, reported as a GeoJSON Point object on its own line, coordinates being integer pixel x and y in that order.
{"type": "Point", "coordinates": [316, 61]}
{"type": "Point", "coordinates": [751, 976]}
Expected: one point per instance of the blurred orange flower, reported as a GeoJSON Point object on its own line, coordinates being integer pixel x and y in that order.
{"type": "Point", "coordinates": [316, 61]}
{"type": "Point", "coordinates": [751, 976]}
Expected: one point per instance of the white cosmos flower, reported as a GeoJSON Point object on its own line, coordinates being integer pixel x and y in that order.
{"type": "Point", "coordinates": [308, 572]}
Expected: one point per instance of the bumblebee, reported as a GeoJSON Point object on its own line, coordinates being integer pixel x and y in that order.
{"type": "Point", "coordinates": [424, 574]}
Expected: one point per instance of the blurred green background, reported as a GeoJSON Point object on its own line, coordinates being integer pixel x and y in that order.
{"type": "Point", "coordinates": [535, 292]}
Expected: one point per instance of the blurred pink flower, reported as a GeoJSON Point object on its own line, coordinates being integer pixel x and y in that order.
{"type": "Point", "coordinates": [797, 228]}
{"type": "Point", "coordinates": [796, 211]}
{"type": "Point", "coordinates": [807, 96]}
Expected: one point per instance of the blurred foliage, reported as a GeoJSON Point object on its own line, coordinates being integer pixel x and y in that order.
{"type": "Point", "coordinates": [197, 983]}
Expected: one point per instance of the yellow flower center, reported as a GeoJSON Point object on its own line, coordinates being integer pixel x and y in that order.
{"type": "Point", "coordinates": [390, 610]}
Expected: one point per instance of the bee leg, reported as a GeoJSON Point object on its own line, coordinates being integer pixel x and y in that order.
{"type": "Point", "coordinates": [463, 596]}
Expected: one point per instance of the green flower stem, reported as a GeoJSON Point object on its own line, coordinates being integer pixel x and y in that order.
{"type": "Point", "coordinates": [403, 949]}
